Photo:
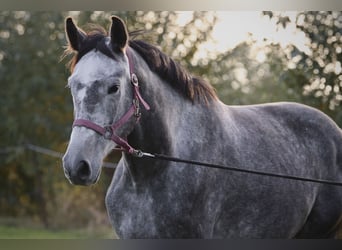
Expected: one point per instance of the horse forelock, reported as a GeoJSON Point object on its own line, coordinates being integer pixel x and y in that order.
{"type": "Point", "coordinates": [95, 39]}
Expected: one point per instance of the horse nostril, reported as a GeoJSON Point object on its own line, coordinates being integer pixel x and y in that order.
{"type": "Point", "coordinates": [83, 170]}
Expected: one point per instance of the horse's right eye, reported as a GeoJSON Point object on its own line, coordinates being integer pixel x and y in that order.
{"type": "Point", "coordinates": [113, 89]}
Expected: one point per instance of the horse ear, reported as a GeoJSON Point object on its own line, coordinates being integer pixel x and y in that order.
{"type": "Point", "coordinates": [74, 35]}
{"type": "Point", "coordinates": [118, 33]}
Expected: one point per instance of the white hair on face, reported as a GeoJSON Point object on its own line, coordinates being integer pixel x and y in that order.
{"type": "Point", "coordinates": [92, 66]}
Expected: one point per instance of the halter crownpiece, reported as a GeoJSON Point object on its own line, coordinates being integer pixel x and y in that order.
{"type": "Point", "coordinates": [108, 132]}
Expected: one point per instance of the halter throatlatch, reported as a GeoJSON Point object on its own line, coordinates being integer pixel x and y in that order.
{"type": "Point", "coordinates": [108, 132]}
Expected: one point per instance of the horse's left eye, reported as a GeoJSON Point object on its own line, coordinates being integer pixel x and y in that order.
{"type": "Point", "coordinates": [113, 89]}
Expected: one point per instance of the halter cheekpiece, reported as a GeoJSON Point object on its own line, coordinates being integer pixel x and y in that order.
{"type": "Point", "coordinates": [108, 132]}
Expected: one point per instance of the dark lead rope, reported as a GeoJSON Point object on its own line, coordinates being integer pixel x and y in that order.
{"type": "Point", "coordinates": [141, 154]}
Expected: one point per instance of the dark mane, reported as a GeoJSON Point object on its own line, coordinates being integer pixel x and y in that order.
{"type": "Point", "coordinates": [193, 88]}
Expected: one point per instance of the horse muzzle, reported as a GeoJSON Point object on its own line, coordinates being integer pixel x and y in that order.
{"type": "Point", "coordinates": [80, 171]}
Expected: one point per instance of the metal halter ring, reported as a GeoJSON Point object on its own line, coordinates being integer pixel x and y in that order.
{"type": "Point", "coordinates": [108, 132]}
{"type": "Point", "coordinates": [134, 80]}
{"type": "Point", "coordinates": [137, 153]}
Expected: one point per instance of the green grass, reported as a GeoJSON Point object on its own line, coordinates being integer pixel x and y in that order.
{"type": "Point", "coordinates": [8, 232]}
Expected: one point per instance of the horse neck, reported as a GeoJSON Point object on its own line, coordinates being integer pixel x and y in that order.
{"type": "Point", "coordinates": [155, 132]}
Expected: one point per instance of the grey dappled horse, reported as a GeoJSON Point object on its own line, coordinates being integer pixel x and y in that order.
{"type": "Point", "coordinates": [166, 110]}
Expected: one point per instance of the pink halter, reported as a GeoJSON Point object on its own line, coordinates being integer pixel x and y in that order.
{"type": "Point", "coordinates": [108, 132]}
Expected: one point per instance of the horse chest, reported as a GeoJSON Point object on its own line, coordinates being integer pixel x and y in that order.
{"type": "Point", "coordinates": [131, 214]}
{"type": "Point", "coordinates": [146, 213]}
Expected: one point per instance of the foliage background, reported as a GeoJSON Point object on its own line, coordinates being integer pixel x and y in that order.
{"type": "Point", "coordinates": [36, 108]}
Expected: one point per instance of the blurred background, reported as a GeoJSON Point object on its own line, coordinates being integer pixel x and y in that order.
{"type": "Point", "coordinates": [249, 57]}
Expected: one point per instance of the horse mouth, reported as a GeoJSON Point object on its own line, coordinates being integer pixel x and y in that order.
{"type": "Point", "coordinates": [82, 181]}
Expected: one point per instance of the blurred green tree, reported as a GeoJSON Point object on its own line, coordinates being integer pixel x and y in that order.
{"type": "Point", "coordinates": [319, 71]}
{"type": "Point", "coordinates": [33, 108]}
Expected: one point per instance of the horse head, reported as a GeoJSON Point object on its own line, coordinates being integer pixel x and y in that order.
{"type": "Point", "coordinates": [102, 94]}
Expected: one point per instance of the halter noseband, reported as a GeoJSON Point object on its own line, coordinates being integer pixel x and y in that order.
{"type": "Point", "coordinates": [108, 132]}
